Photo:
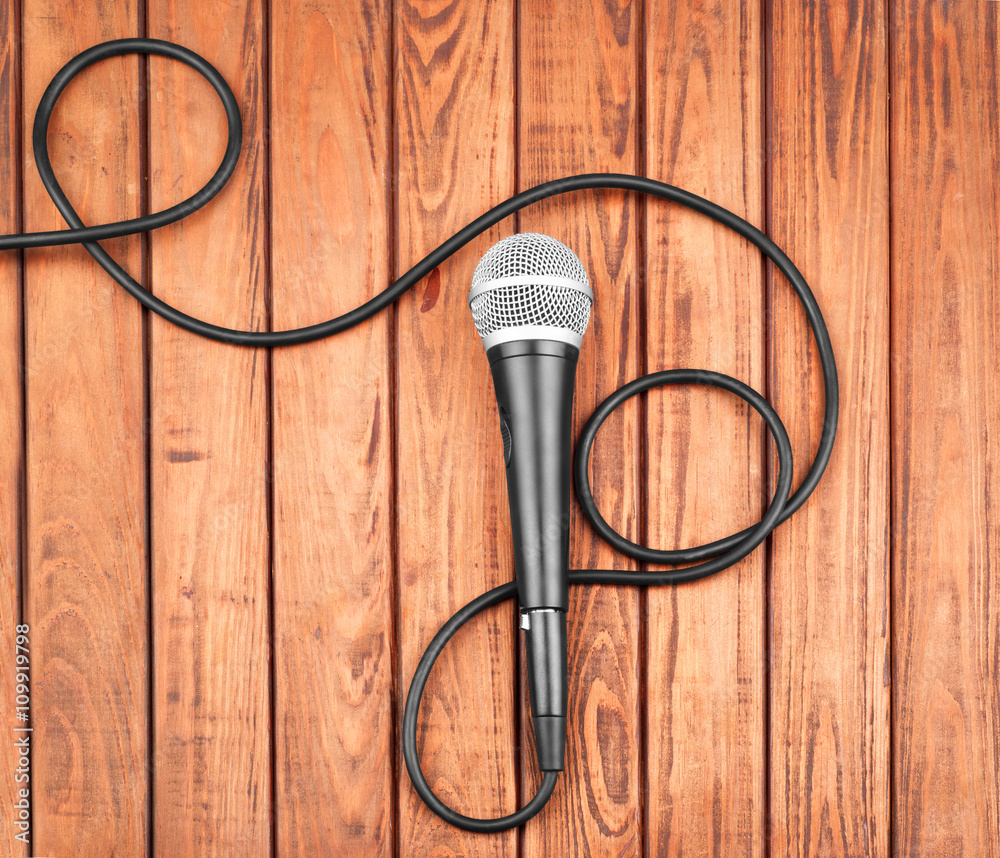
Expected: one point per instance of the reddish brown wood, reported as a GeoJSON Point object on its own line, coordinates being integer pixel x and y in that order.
{"type": "Point", "coordinates": [333, 583]}
{"type": "Point", "coordinates": [578, 109]}
{"type": "Point", "coordinates": [454, 98]}
{"type": "Point", "coordinates": [212, 762]}
{"type": "Point", "coordinates": [946, 334]}
{"type": "Point", "coordinates": [705, 694]}
{"type": "Point", "coordinates": [87, 597]}
{"type": "Point", "coordinates": [676, 91]}
{"type": "Point", "coordinates": [830, 627]}
{"type": "Point", "coordinates": [11, 437]}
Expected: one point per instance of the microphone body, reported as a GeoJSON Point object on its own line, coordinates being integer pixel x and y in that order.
{"type": "Point", "coordinates": [531, 302]}
{"type": "Point", "coordinates": [534, 381]}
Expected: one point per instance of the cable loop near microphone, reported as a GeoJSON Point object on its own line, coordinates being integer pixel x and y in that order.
{"type": "Point", "coordinates": [711, 558]}
{"type": "Point", "coordinates": [734, 548]}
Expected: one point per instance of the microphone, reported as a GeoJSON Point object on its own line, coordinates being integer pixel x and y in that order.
{"type": "Point", "coordinates": [530, 301]}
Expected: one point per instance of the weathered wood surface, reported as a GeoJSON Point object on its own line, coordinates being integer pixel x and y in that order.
{"type": "Point", "coordinates": [705, 707]}
{"type": "Point", "coordinates": [86, 522]}
{"type": "Point", "coordinates": [946, 458]}
{"type": "Point", "coordinates": [210, 598]}
{"type": "Point", "coordinates": [333, 566]}
{"type": "Point", "coordinates": [829, 567]}
{"type": "Point", "coordinates": [233, 559]}
{"type": "Point", "coordinates": [454, 158]}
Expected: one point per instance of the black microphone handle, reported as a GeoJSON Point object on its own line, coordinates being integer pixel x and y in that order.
{"type": "Point", "coordinates": [534, 382]}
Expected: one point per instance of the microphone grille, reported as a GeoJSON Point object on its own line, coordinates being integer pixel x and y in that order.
{"type": "Point", "coordinates": [530, 286]}
{"type": "Point", "coordinates": [529, 253]}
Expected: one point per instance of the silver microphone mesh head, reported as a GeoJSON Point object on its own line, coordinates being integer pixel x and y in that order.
{"type": "Point", "coordinates": [530, 287]}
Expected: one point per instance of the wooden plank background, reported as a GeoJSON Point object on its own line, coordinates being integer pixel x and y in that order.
{"type": "Point", "coordinates": [706, 681]}
{"type": "Point", "coordinates": [828, 184]}
{"type": "Point", "coordinates": [231, 559]}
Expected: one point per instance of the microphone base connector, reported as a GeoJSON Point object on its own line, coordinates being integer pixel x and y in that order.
{"type": "Point", "coordinates": [545, 649]}
{"type": "Point", "coordinates": [550, 742]}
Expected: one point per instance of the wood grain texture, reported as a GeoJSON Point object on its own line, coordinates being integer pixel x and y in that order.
{"type": "Point", "coordinates": [828, 201]}
{"type": "Point", "coordinates": [454, 102]}
{"type": "Point", "coordinates": [87, 594]}
{"type": "Point", "coordinates": [208, 403]}
{"type": "Point", "coordinates": [763, 703]}
{"type": "Point", "coordinates": [705, 693]}
{"type": "Point", "coordinates": [946, 333]}
{"type": "Point", "coordinates": [578, 113]}
{"type": "Point", "coordinates": [333, 569]}
{"type": "Point", "coordinates": [11, 431]}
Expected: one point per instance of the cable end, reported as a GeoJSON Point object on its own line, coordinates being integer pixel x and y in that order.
{"type": "Point", "coordinates": [550, 742]}
{"type": "Point", "coordinates": [545, 650]}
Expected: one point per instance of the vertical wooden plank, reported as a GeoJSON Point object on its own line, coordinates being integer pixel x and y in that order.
{"type": "Point", "coordinates": [12, 801]}
{"type": "Point", "coordinates": [212, 787]}
{"type": "Point", "coordinates": [578, 109]}
{"type": "Point", "coordinates": [946, 329]}
{"type": "Point", "coordinates": [828, 202]}
{"type": "Point", "coordinates": [332, 446]}
{"type": "Point", "coordinates": [86, 455]}
{"type": "Point", "coordinates": [454, 92]}
{"type": "Point", "coordinates": [705, 693]}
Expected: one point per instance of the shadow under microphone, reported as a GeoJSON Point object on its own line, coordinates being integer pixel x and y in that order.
{"type": "Point", "coordinates": [531, 301]}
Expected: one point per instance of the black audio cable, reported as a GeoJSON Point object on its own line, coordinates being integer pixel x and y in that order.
{"type": "Point", "coordinates": [710, 558]}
